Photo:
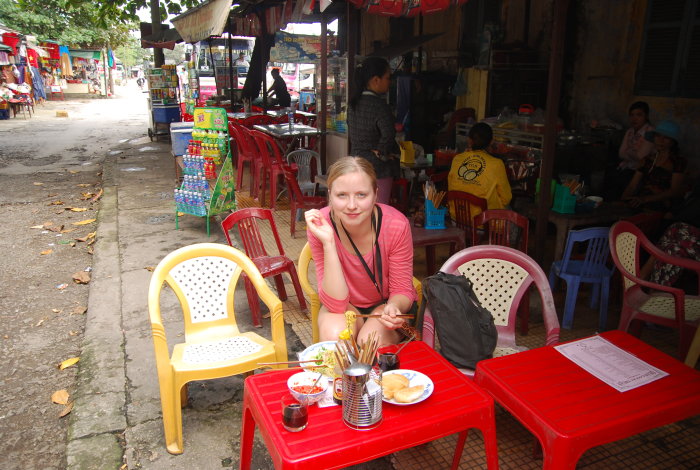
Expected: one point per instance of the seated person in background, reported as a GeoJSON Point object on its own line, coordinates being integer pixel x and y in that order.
{"type": "Point", "coordinates": [659, 182]}
{"type": "Point", "coordinates": [682, 240]}
{"type": "Point", "coordinates": [475, 171]}
{"type": "Point", "coordinates": [363, 252]}
{"type": "Point", "coordinates": [634, 146]}
{"type": "Point", "coordinates": [279, 90]}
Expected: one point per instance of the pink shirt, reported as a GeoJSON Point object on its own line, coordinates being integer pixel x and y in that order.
{"type": "Point", "coordinates": [396, 246]}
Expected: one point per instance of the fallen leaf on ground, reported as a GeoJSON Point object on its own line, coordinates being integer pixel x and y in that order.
{"type": "Point", "coordinates": [97, 196]}
{"type": "Point", "coordinates": [60, 397]}
{"type": "Point", "coordinates": [69, 230]}
{"type": "Point", "coordinates": [77, 209]}
{"type": "Point", "coordinates": [56, 310]}
{"type": "Point", "coordinates": [55, 203]}
{"type": "Point", "coordinates": [84, 222]}
{"type": "Point", "coordinates": [68, 362]}
{"type": "Point", "coordinates": [81, 277]}
{"type": "Point", "coordinates": [46, 252]}
{"type": "Point", "coordinates": [73, 171]}
{"type": "Point", "coordinates": [36, 183]}
{"type": "Point", "coordinates": [86, 237]}
{"type": "Point", "coordinates": [57, 228]}
{"type": "Point", "coordinates": [72, 333]}
{"type": "Point", "coordinates": [78, 310]}
{"type": "Point", "coordinates": [84, 185]}
{"type": "Point", "coordinates": [90, 250]}
{"type": "Point", "coordinates": [86, 195]}
{"type": "Point", "coordinates": [40, 322]}
{"type": "Point", "coordinates": [66, 410]}
{"type": "Point", "coordinates": [47, 224]}
{"type": "Point", "coordinates": [37, 226]}
{"type": "Point", "coordinates": [150, 268]}
{"type": "Point", "coordinates": [91, 241]}
{"type": "Point", "coordinates": [52, 195]}
{"type": "Point", "coordinates": [61, 286]}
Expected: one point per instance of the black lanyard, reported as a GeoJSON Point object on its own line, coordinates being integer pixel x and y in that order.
{"type": "Point", "coordinates": [376, 226]}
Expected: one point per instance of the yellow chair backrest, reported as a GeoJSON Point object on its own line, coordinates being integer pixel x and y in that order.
{"type": "Point", "coordinates": [305, 259]}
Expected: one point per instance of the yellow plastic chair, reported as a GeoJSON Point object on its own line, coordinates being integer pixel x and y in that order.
{"type": "Point", "coordinates": [203, 277]}
{"type": "Point", "coordinates": [305, 259]}
{"type": "Point", "coordinates": [694, 351]}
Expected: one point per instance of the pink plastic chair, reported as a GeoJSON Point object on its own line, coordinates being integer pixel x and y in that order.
{"type": "Point", "coordinates": [254, 246]}
{"type": "Point", "coordinates": [501, 276]}
{"type": "Point", "coordinates": [299, 201]}
{"type": "Point", "coordinates": [644, 301]}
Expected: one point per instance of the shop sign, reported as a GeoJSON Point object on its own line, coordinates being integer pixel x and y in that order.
{"type": "Point", "coordinates": [295, 48]}
{"type": "Point", "coordinates": [203, 21]}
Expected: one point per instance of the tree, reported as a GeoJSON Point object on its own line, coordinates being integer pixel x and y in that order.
{"type": "Point", "coordinates": [77, 25]}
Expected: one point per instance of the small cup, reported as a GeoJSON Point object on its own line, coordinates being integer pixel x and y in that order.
{"type": "Point", "coordinates": [388, 361]}
{"type": "Point", "coordinates": [295, 415]}
{"type": "Point", "coordinates": [429, 157]}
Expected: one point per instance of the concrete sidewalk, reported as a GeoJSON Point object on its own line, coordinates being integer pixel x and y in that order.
{"type": "Point", "coordinates": [116, 419]}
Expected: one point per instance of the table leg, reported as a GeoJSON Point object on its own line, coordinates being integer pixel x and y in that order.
{"type": "Point", "coordinates": [562, 233]}
{"type": "Point", "coordinates": [560, 455]}
{"type": "Point", "coordinates": [459, 448]}
{"type": "Point", "coordinates": [247, 435]}
{"type": "Point", "coordinates": [490, 443]}
{"type": "Point", "coordinates": [430, 259]}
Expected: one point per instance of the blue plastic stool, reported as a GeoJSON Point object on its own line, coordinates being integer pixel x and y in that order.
{"type": "Point", "coordinates": [593, 269]}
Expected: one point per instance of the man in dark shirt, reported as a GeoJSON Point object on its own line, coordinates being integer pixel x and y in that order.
{"type": "Point", "coordinates": [279, 89]}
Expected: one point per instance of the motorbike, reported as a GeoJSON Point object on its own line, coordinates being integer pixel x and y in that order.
{"type": "Point", "coordinates": [141, 82]}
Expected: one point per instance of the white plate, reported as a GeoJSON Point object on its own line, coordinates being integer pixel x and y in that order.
{"type": "Point", "coordinates": [312, 352]}
{"type": "Point", "coordinates": [415, 378]}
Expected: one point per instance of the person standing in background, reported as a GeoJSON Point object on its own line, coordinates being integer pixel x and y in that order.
{"type": "Point", "coordinates": [371, 123]}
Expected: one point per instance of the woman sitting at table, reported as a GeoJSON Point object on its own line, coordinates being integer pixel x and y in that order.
{"type": "Point", "coordinates": [477, 172]}
{"type": "Point", "coordinates": [363, 253]}
{"type": "Point", "coordinates": [371, 123]}
{"type": "Point", "coordinates": [659, 182]}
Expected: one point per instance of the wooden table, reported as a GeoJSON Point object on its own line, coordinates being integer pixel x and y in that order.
{"type": "Point", "coordinates": [570, 410]}
{"type": "Point", "coordinates": [429, 238]}
{"type": "Point", "coordinates": [455, 406]}
{"type": "Point", "coordinates": [606, 214]}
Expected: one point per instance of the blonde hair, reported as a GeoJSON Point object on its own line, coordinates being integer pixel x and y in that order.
{"type": "Point", "coordinates": [348, 165]}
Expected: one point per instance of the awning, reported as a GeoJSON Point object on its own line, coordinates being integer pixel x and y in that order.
{"type": "Point", "coordinates": [3, 47]}
{"type": "Point", "coordinates": [39, 50]}
{"type": "Point", "coordinates": [165, 39]}
{"type": "Point", "coordinates": [84, 54]}
{"type": "Point", "coordinates": [203, 21]}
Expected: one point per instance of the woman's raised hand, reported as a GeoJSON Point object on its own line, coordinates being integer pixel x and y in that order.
{"type": "Point", "coordinates": [319, 226]}
{"type": "Point", "coordinates": [389, 317]}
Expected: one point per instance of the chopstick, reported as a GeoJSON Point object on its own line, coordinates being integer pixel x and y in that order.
{"type": "Point", "coordinates": [285, 362]}
{"type": "Point", "coordinates": [377, 315]}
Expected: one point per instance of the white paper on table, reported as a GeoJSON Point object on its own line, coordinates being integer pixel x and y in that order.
{"type": "Point", "coordinates": [609, 363]}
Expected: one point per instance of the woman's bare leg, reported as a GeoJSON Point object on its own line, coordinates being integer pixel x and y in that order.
{"type": "Point", "coordinates": [330, 325]}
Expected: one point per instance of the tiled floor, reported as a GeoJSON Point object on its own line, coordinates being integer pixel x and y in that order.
{"type": "Point", "coordinates": [676, 446]}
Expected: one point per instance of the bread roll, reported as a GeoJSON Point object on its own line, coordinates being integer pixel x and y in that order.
{"type": "Point", "coordinates": [408, 394]}
{"type": "Point", "coordinates": [391, 383]}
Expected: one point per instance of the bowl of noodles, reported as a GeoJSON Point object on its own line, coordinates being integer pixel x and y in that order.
{"type": "Point", "coordinates": [320, 354]}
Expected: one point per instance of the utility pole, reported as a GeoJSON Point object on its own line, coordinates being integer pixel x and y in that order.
{"type": "Point", "coordinates": [158, 56]}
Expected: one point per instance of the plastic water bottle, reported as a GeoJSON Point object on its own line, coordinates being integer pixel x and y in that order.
{"type": "Point", "coordinates": [290, 118]}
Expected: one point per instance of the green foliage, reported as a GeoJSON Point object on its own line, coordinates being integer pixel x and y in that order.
{"type": "Point", "coordinates": [125, 10]}
{"type": "Point", "coordinates": [70, 22]}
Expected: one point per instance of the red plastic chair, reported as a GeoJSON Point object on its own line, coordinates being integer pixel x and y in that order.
{"type": "Point", "coordinates": [254, 246]}
{"type": "Point", "coordinates": [644, 301]}
{"type": "Point", "coordinates": [501, 276]}
{"type": "Point", "coordinates": [498, 229]}
{"type": "Point", "coordinates": [268, 167]}
{"type": "Point", "coordinates": [464, 204]}
{"type": "Point", "coordinates": [297, 200]}
{"type": "Point", "coordinates": [247, 152]}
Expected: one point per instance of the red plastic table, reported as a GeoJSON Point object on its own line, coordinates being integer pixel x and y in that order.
{"type": "Point", "coordinates": [455, 406]}
{"type": "Point", "coordinates": [570, 410]}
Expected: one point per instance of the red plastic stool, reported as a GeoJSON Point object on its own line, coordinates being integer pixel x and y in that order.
{"type": "Point", "coordinates": [399, 194]}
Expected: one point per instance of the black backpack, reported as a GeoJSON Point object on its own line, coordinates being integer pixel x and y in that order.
{"type": "Point", "coordinates": [465, 329]}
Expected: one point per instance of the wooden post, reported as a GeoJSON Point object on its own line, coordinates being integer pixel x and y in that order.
{"type": "Point", "coordinates": [556, 58]}
{"type": "Point", "coordinates": [324, 92]}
